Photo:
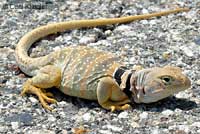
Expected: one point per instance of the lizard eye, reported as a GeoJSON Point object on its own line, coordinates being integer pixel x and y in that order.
{"type": "Point", "coordinates": [167, 80]}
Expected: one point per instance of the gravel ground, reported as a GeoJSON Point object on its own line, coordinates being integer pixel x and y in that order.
{"type": "Point", "coordinates": [172, 39]}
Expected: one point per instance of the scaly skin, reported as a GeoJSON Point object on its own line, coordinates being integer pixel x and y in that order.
{"type": "Point", "coordinates": [87, 73]}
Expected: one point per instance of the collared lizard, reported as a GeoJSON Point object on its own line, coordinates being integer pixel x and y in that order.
{"type": "Point", "coordinates": [90, 74]}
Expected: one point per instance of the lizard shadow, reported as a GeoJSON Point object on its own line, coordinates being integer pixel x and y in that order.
{"type": "Point", "coordinates": [168, 103]}
{"type": "Point", "coordinates": [77, 102]}
{"type": "Point", "coordinates": [171, 103]}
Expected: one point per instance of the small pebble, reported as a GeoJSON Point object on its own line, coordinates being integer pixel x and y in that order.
{"type": "Point", "coordinates": [196, 124]}
{"type": "Point", "coordinates": [187, 51]}
{"type": "Point", "coordinates": [135, 124]}
{"type": "Point", "coordinates": [33, 100]}
{"type": "Point", "coordinates": [123, 115]}
{"type": "Point", "coordinates": [114, 128]}
{"type": "Point", "coordinates": [15, 125]}
{"type": "Point", "coordinates": [143, 115]}
{"type": "Point", "coordinates": [87, 117]}
{"type": "Point", "coordinates": [51, 119]}
{"type": "Point", "coordinates": [167, 112]}
{"type": "Point", "coordinates": [198, 82]}
{"type": "Point", "coordinates": [87, 40]}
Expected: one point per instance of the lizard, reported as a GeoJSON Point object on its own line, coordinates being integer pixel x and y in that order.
{"type": "Point", "coordinates": [93, 74]}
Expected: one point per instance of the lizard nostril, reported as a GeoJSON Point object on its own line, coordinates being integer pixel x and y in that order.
{"type": "Point", "coordinates": [143, 91]}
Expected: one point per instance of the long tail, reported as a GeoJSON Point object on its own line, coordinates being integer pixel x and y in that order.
{"type": "Point", "coordinates": [30, 65]}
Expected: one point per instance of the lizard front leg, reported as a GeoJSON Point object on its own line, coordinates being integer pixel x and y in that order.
{"type": "Point", "coordinates": [48, 76]}
{"type": "Point", "coordinates": [110, 96]}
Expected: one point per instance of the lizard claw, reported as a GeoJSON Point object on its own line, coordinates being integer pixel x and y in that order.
{"type": "Point", "coordinates": [112, 108]}
{"type": "Point", "coordinates": [123, 107]}
{"type": "Point", "coordinates": [43, 96]}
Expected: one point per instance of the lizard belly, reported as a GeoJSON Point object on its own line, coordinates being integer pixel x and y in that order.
{"type": "Point", "coordinates": [83, 69]}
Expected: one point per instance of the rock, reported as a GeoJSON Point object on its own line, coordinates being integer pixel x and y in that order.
{"type": "Point", "coordinates": [153, 22]}
{"type": "Point", "coordinates": [183, 95]}
{"type": "Point", "coordinates": [196, 124]}
{"type": "Point", "coordinates": [155, 131]}
{"type": "Point", "coordinates": [87, 40]}
{"type": "Point", "coordinates": [123, 115]}
{"type": "Point", "coordinates": [87, 117]}
{"type": "Point", "coordinates": [62, 104]}
{"type": "Point", "coordinates": [184, 128]}
{"type": "Point", "coordinates": [33, 100]}
{"type": "Point", "coordinates": [25, 118]}
{"type": "Point", "coordinates": [51, 118]}
{"type": "Point", "coordinates": [15, 125]}
{"type": "Point", "coordinates": [40, 132]}
{"type": "Point", "coordinates": [145, 11]}
{"type": "Point", "coordinates": [114, 128]}
{"type": "Point", "coordinates": [143, 115]}
{"type": "Point", "coordinates": [166, 55]}
{"type": "Point", "coordinates": [167, 113]}
{"type": "Point", "coordinates": [144, 22]}
{"type": "Point", "coordinates": [197, 41]}
{"type": "Point", "coordinates": [123, 28]}
{"type": "Point", "coordinates": [105, 132]}
{"type": "Point", "coordinates": [198, 82]}
{"type": "Point", "coordinates": [135, 124]}
{"type": "Point", "coordinates": [108, 32]}
{"type": "Point", "coordinates": [187, 51]}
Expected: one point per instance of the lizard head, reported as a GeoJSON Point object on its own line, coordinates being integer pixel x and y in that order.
{"type": "Point", "coordinates": [151, 85]}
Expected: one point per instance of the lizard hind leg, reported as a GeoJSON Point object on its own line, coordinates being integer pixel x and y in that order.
{"type": "Point", "coordinates": [49, 76]}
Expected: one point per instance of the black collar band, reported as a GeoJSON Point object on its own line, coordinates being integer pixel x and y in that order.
{"type": "Point", "coordinates": [127, 90]}
{"type": "Point", "coordinates": [117, 76]}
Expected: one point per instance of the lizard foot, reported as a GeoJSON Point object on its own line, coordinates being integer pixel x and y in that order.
{"type": "Point", "coordinates": [43, 97]}
{"type": "Point", "coordinates": [123, 107]}
{"type": "Point", "coordinates": [48, 94]}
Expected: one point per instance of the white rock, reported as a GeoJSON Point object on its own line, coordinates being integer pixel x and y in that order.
{"type": "Point", "coordinates": [33, 100]}
{"type": "Point", "coordinates": [168, 112]}
{"type": "Point", "coordinates": [144, 22]}
{"type": "Point", "coordinates": [57, 48]}
{"type": "Point", "coordinates": [40, 132]}
{"type": "Point", "coordinates": [155, 131]}
{"type": "Point", "coordinates": [135, 125]}
{"type": "Point", "coordinates": [62, 104]}
{"type": "Point", "coordinates": [86, 117]}
{"type": "Point", "coordinates": [15, 125]}
{"type": "Point", "coordinates": [184, 128]}
{"type": "Point", "coordinates": [2, 129]}
{"type": "Point", "coordinates": [196, 124]}
{"type": "Point", "coordinates": [198, 82]}
{"type": "Point", "coordinates": [51, 118]}
{"type": "Point", "coordinates": [152, 22]}
{"type": "Point", "coordinates": [187, 51]}
{"type": "Point", "coordinates": [87, 40]}
{"type": "Point", "coordinates": [105, 132]}
{"type": "Point", "coordinates": [145, 11]}
{"type": "Point", "coordinates": [143, 115]}
{"type": "Point", "coordinates": [123, 28]}
{"type": "Point", "coordinates": [177, 110]}
{"type": "Point", "coordinates": [123, 115]}
{"type": "Point", "coordinates": [108, 32]}
{"type": "Point", "coordinates": [183, 95]}
{"type": "Point", "coordinates": [114, 128]}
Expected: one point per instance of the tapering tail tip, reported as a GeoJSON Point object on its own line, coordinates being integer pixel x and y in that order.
{"type": "Point", "coordinates": [185, 9]}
